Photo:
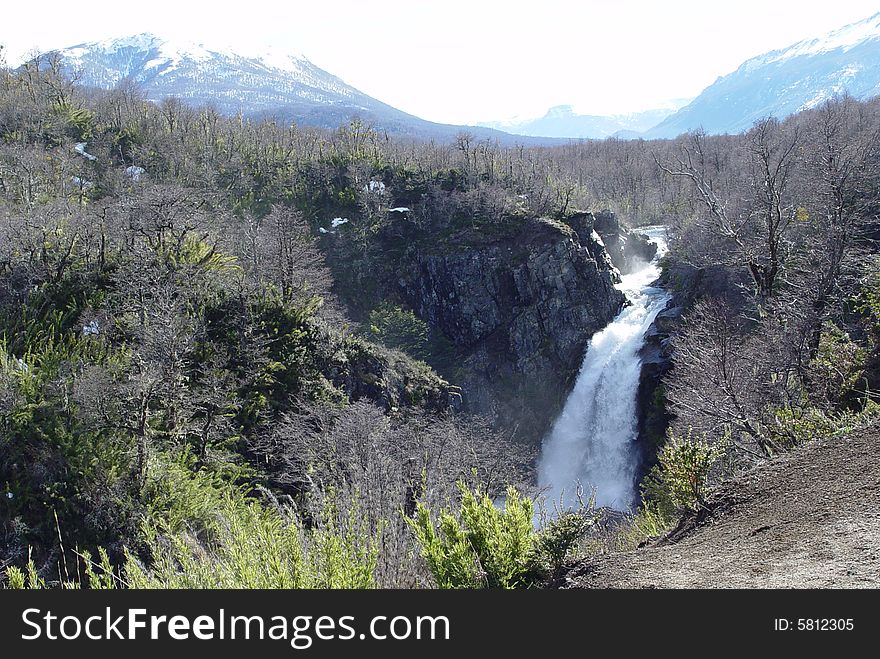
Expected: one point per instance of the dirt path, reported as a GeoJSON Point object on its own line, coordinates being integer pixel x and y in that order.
{"type": "Point", "coordinates": [810, 519]}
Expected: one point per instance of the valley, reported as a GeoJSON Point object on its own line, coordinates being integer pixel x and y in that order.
{"type": "Point", "coordinates": [259, 329]}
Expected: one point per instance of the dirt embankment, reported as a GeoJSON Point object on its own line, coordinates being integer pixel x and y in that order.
{"type": "Point", "coordinates": [810, 519]}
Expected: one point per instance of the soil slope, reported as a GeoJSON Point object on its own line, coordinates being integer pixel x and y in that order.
{"type": "Point", "coordinates": [810, 519]}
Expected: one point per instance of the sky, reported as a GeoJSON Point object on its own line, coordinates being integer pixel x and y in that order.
{"type": "Point", "coordinates": [466, 61]}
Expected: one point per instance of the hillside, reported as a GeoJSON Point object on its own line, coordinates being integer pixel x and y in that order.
{"type": "Point", "coordinates": [807, 520]}
{"type": "Point", "coordinates": [274, 84]}
{"type": "Point", "coordinates": [785, 81]}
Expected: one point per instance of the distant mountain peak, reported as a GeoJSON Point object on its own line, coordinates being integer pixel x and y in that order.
{"type": "Point", "coordinates": [212, 74]}
{"type": "Point", "coordinates": [843, 38]}
{"type": "Point", "coordinates": [145, 41]}
{"type": "Point", "coordinates": [782, 82]}
{"type": "Point", "coordinates": [565, 121]}
{"type": "Point", "coordinates": [257, 81]}
{"type": "Point", "coordinates": [558, 111]}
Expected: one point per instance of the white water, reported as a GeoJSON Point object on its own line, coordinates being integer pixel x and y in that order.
{"type": "Point", "coordinates": [593, 443]}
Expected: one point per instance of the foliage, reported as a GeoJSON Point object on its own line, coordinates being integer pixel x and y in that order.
{"type": "Point", "coordinates": [804, 424]}
{"type": "Point", "coordinates": [559, 536]}
{"type": "Point", "coordinates": [97, 576]}
{"type": "Point", "coordinates": [246, 545]}
{"type": "Point", "coordinates": [679, 480]}
{"type": "Point", "coordinates": [868, 299]}
{"type": "Point", "coordinates": [838, 368]}
{"type": "Point", "coordinates": [649, 522]}
{"type": "Point", "coordinates": [399, 328]}
{"type": "Point", "coordinates": [480, 546]}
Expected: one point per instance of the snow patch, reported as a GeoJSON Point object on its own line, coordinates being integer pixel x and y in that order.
{"type": "Point", "coordinates": [275, 58]}
{"type": "Point", "coordinates": [135, 173]}
{"type": "Point", "coordinates": [843, 77]}
{"type": "Point", "coordinates": [91, 329]}
{"type": "Point", "coordinates": [844, 39]}
{"type": "Point", "coordinates": [80, 148]}
{"type": "Point", "coordinates": [338, 222]}
{"type": "Point", "coordinates": [142, 41]}
{"type": "Point", "coordinates": [81, 182]}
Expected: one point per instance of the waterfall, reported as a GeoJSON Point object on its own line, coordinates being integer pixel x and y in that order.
{"type": "Point", "coordinates": [593, 442]}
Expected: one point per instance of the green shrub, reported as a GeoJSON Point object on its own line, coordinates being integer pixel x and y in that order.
{"type": "Point", "coordinates": [560, 535]}
{"type": "Point", "coordinates": [401, 329]}
{"type": "Point", "coordinates": [838, 368]}
{"type": "Point", "coordinates": [651, 521]}
{"type": "Point", "coordinates": [679, 480]}
{"type": "Point", "coordinates": [481, 546]}
{"type": "Point", "coordinates": [98, 576]}
{"type": "Point", "coordinates": [803, 424]}
{"type": "Point", "coordinates": [245, 545]}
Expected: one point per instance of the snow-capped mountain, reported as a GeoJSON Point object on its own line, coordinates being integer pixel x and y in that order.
{"type": "Point", "coordinates": [785, 81]}
{"type": "Point", "coordinates": [278, 84]}
{"type": "Point", "coordinates": [227, 80]}
{"type": "Point", "coordinates": [563, 121]}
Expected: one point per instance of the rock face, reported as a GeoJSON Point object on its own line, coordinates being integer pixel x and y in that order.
{"type": "Point", "coordinates": [521, 310]}
{"type": "Point", "coordinates": [389, 379]}
{"type": "Point", "coordinates": [626, 249]}
{"type": "Point", "coordinates": [653, 414]}
{"type": "Point", "coordinates": [687, 284]}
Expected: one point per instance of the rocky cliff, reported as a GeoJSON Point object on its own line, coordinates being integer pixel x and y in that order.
{"type": "Point", "coordinates": [520, 309]}
{"type": "Point", "coordinates": [625, 249]}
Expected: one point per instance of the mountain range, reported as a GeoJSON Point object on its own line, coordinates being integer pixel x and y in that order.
{"type": "Point", "coordinates": [777, 83]}
{"type": "Point", "coordinates": [291, 88]}
{"type": "Point", "coordinates": [271, 84]}
{"type": "Point", "coordinates": [562, 121]}
{"type": "Point", "coordinates": [785, 81]}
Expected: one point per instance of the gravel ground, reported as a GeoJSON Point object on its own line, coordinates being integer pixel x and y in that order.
{"type": "Point", "coordinates": [809, 519]}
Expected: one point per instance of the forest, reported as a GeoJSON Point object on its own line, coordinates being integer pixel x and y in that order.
{"type": "Point", "coordinates": [212, 376]}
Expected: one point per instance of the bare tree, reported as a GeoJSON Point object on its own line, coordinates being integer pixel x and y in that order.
{"type": "Point", "coordinates": [280, 250]}
{"type": "Point", "coordinates": [726, 379]}
{"type": "Point", "coordinates": [754, 215]}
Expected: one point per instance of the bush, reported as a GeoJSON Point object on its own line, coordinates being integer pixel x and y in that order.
{"type": "Point", "coordinates": [803, 424]}
{"type": "Point", "coordinates": [401, 329]}
{"type": "Point", "coordinates": [560, 535]}
{"type": "Point", "coordinates": [98, 576]}
{"type": "Point", "coordinates": [838, 369]}
{"type": "Point", "coordinates": [481, 547]}
{"type": "Point", "coordinates": [679, 480]}
{"type": "Point", "coordinates": [249, 546]}
{"type": "Point", "coordinates": [651, 521]}
{"type": "Point", "coordinates": [203, 532]}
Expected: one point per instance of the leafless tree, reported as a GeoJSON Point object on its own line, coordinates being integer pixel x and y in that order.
{"type": "Point", "coordinates": [279, 249]}
{"type": "Point", "coordinates": [726, 378]}
{"type": "Point", "coordinates": [752, 215]}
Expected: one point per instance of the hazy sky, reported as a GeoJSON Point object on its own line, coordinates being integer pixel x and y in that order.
{"type": "Point", "coordinates": [463, 61]}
